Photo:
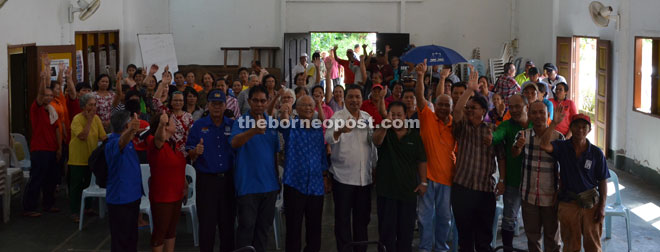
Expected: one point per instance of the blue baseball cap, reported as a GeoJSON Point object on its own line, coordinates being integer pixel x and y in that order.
{"type": "Point", "coordinates": [216, 95]}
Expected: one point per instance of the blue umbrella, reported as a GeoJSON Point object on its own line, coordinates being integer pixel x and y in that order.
{"type": "Point", "coordinates": [435, 55]}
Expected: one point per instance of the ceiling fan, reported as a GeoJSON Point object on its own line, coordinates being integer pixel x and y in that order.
{"type": "Point", "coordinates": [86, 9]}
{"type": "Point", "coordinates": [601, 14]}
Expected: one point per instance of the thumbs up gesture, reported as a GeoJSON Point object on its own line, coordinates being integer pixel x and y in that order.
{"type": "Point", "coordinates": [199, 149]}
{"type": "Point", "coordinates": [134, 123]}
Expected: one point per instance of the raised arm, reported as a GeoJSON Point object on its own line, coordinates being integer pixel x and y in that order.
{"type": "Point", "coordinates": [159, 137]}
{"type": "Point", "coordinates": [120, 93]}
{"type": "Point", "coordinates": [60, 74]}
{"type": "Point", "coordinates": [166, 79]}
{"type": "Point", "coordinates": [545, 138]}
{"type": "Point", "coordinates": [70, 85]}
{"type": "Point", "coordinates": [363, 69]}
{"type": "Point", "coordinates": [317, 71]}
{"type": "Point", "coordinates": [45, 78]}
{"type": "Point", "coordinates": [381, 132]}
{"type": "Point", "coordinates": [328, 81]}
{"type": "Point", "coordinates": [242, 138]}
{"type": "Point", "coordinates": [387, 54]}
{"type": "Point", "coordinates": [419, 88]}
{"type": "Point", "coordinates": [129, 133]}
{"type": "Point", "coordinates": [440, 88]}
{"type": "Point", "coordinates": [473, 86]}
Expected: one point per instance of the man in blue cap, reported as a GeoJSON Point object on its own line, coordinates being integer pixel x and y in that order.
{"type": "Point", "coordinates": [216, 202]}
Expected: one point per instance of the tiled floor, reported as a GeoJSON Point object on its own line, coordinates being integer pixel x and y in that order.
{"type": "Point", "coordinates": [56, 232]}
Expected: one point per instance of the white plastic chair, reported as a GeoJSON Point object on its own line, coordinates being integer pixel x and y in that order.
{"type": "Point", "coordinates": [277, 220]}
{"type": "Point", "coordinates": [145, 205]}
{"type": "Point", "coordinates": [26, 163]}
{"type": "Point", "coordinates": [92, 191]}
{"type": "Point", "coordinates": [616, 209]}
{"type": "Point", "coordinates": [190, 207]}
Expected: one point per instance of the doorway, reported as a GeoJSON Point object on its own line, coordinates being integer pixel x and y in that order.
{"type": "Point", "coordinates": [585, 62]}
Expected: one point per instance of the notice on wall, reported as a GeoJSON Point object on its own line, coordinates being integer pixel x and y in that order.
{"type": "Point", "coordinates": [54, 67]}
{"type": "Point", "coordinates": [79, 65]}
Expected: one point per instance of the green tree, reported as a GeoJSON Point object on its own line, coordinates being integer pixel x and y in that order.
{"type": "Point", "coordinates": [325, 41]}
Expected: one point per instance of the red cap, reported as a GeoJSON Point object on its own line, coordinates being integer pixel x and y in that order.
{"type": "Point", "coordinates": [376, 86]}
{"type": "Point", "coordinates": [580, 117]}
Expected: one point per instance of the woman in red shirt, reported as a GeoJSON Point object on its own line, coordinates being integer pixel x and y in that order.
{"type": "Point", "coordinates": [561, 99]}
{"type": "Point", "coordinates": [167, 185]}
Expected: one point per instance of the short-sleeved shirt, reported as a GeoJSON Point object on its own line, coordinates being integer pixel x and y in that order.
{"type": "Point", "coordinates": [168, 172]}
{"type": "Point", "coordinates": [398, 163]}
{"type": "Point", "coordinates": [79, 150]}
{"type": "Point", "coordinates": [59, 103]}
{"type": "Point", "coordinates": [349, 74]}
{"type": "Point", "coordinates": [439, 145]}
{"type": "Point", "coordinates": [506, 134]}
{"type": "Point", "coordinates": [540, 171]}
{"type": "Point", "coordinates": [475, 161]}
{"type": "Point", "coordinates": [506, 87]}
{"type": "Point", "coordinates": [568, 106]}
{"type": "Point", "coordinates": [306, 159]}
{"type": "Point", "coordinates": [579, 174]}
{"type": "Point", "coordinates": [521, 78]}
{"type": "Point", "coordinates": [43, 132]}
{"type": "Point", "coordinates": [124, 176]}
{"type": "Point", "coordinates": [371, 108]}
{"type": "Point", "coordinates": [104, 105]}
{"type": "Point", "coordinates": [334, 105]}
{"type": "Point", "coordinates": [73, 105]}
{"type": "Point", "coordinates": [255, 160]}
{"type": "Point", "coordinates": [218, 156]}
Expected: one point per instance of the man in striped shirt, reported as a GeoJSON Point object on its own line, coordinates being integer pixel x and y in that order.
{"type": "Point", "coordinates": [472, 191]}
{"type": "Point", "coordinates": [540, 180]}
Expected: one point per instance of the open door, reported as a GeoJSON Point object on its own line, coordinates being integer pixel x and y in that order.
{"type": "Point", "coordinates": [295, 44]}
{"type": "Point", "coordinates": [603, 82]}
{"type": "Point", "coordinates": [565, 62]}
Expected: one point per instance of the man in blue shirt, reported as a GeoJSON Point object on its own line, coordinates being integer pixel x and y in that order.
{"type": "Point", "coordinates": [256, 143]}
{"type": "Point", "coordinates": [305, 175]}
{"type": "Point", "coordinates": [124, 186]}
{"type": "Point", "coordinates": [216, 196]}
{"type": "Point", "coordinates": [583, 188]}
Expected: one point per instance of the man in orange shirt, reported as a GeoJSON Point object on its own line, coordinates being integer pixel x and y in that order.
{"type": "Point", "coordinates": [190, 82]}
{"type": "Point", "coordinates": [439, 145]}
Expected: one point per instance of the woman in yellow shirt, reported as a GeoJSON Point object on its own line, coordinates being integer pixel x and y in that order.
{"type": "Point", "coordinates": [86, 132]}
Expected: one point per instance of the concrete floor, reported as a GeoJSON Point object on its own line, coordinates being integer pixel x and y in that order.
{"type": "Point", "coordinates": [56, 232]}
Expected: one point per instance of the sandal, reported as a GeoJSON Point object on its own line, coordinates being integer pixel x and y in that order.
{"type": "Point", "coordinates": [31, 214]}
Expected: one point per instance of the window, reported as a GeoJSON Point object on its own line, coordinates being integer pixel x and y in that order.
{"type": "Point", "coordinates": [647, 83]}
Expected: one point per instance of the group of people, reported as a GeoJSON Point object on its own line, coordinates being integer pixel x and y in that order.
{"type": "Point", "coordinates": [522, 130]}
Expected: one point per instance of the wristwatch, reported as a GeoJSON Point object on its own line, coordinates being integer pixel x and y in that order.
{"type": "Point", "coordinates": [501, 180]}
{"type": "Point", "coordinates": [424, 184]}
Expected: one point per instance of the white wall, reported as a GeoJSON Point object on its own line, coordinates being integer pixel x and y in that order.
{"type": "Point", "coordinates": [200, 29]}
{"type": "Point", "coordinates": [43, 23]}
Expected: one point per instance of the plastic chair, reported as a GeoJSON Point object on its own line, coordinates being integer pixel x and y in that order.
{"type": "Point", "coordinates": [92, 191]}
{"type": "Point", "coordinates": [277, 221]}
{"type": "Point", "coordinates": [26, 164]}
{"type": "Point", "coordinates": [145, 205]}
{"type": "Point", "coordinates": [616, 209]}
{"type": "Point", "coordinates": [190, 207]}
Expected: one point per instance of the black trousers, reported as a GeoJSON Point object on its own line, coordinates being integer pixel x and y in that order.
{"type": "Point", "coordinates": [44, 176]}
{"type": "Point", "coordinates": [351, 203]}
{"type": "Point", "coordinates": [123, 226]}
{"type": "Point", "coordinates": [396, 223]}
{"type": "Point", "coordinates": [299, 206]}
{"type": "Point", "coordinates": [216, 207]}
{"type": "Point", "coordinates": [255, 217]}
{"type": "Point", "coordinates": [474, 212]}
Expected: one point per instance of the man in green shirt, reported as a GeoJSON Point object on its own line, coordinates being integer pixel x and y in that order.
{"type": "Point", "coordinates": [524, 77]}
{"type": "Point", "coordinates": [509, 182]}
{"type": "Point", "coordinates": [401, 177]}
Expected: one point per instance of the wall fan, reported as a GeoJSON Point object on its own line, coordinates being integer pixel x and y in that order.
{"type": "Point", "coordinates": [601, 14]}
{"type": "Point", "coordinates": [86, 9]}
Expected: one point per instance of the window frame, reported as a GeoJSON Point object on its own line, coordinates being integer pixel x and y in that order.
{"type": "Point", "coordinates": [655, 78]}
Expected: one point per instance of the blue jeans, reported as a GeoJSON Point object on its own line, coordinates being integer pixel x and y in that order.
{"type": "Point", "coordinates": [511, 208]}
{"type": "Point", "coordinates": [434, 217]}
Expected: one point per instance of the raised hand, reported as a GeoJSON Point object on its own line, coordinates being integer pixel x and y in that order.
{"type": "Point", "coordinates": [560, 113]}
{"type": "Point", "coordinates": [120, 76]}
{"type": "Point", "coordinates": [61, 67]}
{"type": "Point", "coordinates": [473, 81]}
{"type": "Point", "coordinates": [134, 124]}
{"type": "Point", "coordinates": [260, 127]}
{"type": "Point", "coordinates": [444, 73]}
{"type": "Point", "coordinates": [421, 68]}
{"type": "Point", "coordinates": [520, 143]}
{"type": "Point", "coordinates": [153, 69]}
{"type": "Point", "coordinates": [166, 77]}
{"type": "Point", "coordinates": [199, 149]}
{"type": "Point", "coordinates": [317, 63]}
{"type": "Point", "coordinates": [387, 48]}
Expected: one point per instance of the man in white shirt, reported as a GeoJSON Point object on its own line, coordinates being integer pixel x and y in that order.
{"type": "Point", "coordinates": [553, 78]}
{"type": "Point", "coordinates": [353, 157]}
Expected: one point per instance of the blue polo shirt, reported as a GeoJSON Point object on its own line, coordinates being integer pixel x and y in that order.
{"type": "Point", "coordinates": [306, 159]}
{"type": "Point", "coordinates": [218, 156]}
{"type": "Point", "coordinates": [255, 160]}
{"type": "Point", "coordinates": [579, 174]}
{"type": "Point", "coordinates": [124, 174]}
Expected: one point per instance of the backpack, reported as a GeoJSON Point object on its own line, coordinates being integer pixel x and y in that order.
{"type": "Point", "coordinates": [98, 165]}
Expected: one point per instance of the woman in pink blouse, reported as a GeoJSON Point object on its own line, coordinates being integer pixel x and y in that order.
{"type": "Point", "coordinates": [561, 99]}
